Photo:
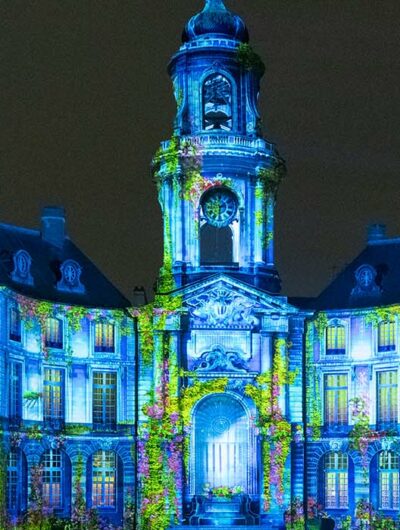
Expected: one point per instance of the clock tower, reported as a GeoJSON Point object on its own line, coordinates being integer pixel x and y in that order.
{"type": "Point", "coordinates": [217, 176]}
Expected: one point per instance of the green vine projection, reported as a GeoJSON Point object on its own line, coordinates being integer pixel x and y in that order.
{"type": "Point", "coordinates": [273, 427]}
{"type": "Point", "coordinates": [381, 314]}
{"type": "Point", "coordinates": [189, 397]}
{"type": "Point", "coordinates": [249, 59]}
{"type": "Point", "coordinates": [314, 405]}
{"type": "Point", "coordinates": [270, 178]}
{"type": "Point", "coordinates": [35, 313]}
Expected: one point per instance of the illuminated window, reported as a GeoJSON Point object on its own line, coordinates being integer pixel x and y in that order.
{"type": "Point", "coordinates": [104, 337]}
{"type": "Point", "coordinates": [12, 479]}
{"type": "Point", "coordinates": [54, 333]}
{"type": "Point", "coordinates": [335, 340]}
{"type": "Point", "coordinates": [104, 479]}
{"type": "Point", "coordinates": [15, 325]}
{"type": "Point", "coordinates": [388, 481]}
{"type": "Point", "coordinates": [387, 397]}
{"type": "Point", "coordinates": [53, 394]}
{"type": "Point", "coordinates": [336, 399]}
{"type": "Point", "coordinates": [15, 392]}
{"type": "Point", "coordinates": [52, 478]}
{"type": "Point", "coordinates": [217, 103]}
{"type": "Point", "coordinates": [386, 336]}
{"type": "Point", "coordinates": [336, 480]}
{"type": "Point", "coordinates": [104, 400]}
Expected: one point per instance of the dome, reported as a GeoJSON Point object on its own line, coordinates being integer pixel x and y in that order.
{"type": "Point", "coordinates": [215, 19]}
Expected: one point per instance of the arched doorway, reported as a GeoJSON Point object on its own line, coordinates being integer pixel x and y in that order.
{"type": "Point", "coordinates": [220, 444]}
{"type": "Point", "coordinates": [216, 245]}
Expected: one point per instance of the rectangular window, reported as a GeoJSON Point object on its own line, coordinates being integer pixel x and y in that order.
{"type": "Point", "coordinates": [15, 392]}
{"type": "Point", "coordinates": [53, 395]}
{"type": "Point", "coordinates": [336, 481]}
{"type": "Point", "coordinates": [335, 340]}
{"type": "Point", "coordinates": [386, 336]}
{"type": "Point", "coordinates": [387, 392]}
{"type": "Point", "coordinates": [104, 400]}
{"type": "Point", "coordinates": [104, 337]}
{"type": "Point", "coordinates": [54, 333]}
{"type": "Point", "coordinates": [104, 474]}
{"type": "Point", "coordinates": [15, 325]}
{"type": "Point", "coordinates": [336, 409]}
{"type": "Point", "coordinates": [388, 481]}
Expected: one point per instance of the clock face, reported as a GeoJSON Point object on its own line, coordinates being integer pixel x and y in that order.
{"type": "Point", "coordinates": [219, 207]}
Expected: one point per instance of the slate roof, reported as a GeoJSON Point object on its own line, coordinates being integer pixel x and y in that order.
{"type": "Point", "coordinates": [384, 256]}
{"type": "Point", "coordinates": [45, 270]}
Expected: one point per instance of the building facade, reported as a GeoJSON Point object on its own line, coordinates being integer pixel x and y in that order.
{"type": "Point", "coordinates": [223, 402]}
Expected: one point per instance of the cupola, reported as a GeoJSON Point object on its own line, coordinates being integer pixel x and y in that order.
{"type": "Point", "coordinates": [215, 20]}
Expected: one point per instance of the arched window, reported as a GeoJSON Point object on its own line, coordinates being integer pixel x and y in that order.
{"type": "Point", "coordinates": [54, 333]}
{"type": "Point", "coordinates": [217, 103]}
{"type": "Point", "coordinates": [104, 479]}
{"type": "Point", "coordinates": [336, 480]}
{"type": "Point", "coordinates": [52, 478]}
{"type": "Point", "coordinates": [387, 336]}
{"type": "Point", "coordinates": [388, 471]}
{"type": "Point", "coordinates": [216, 245]}
{"type": "Point", "coordinates": [335, 340]}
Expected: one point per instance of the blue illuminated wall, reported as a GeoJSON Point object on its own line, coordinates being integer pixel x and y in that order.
{"type": "Point", "coordinates": [314, 380]}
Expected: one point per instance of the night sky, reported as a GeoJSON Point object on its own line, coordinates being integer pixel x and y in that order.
{"type": "Point", "coordinates": [85, 101]}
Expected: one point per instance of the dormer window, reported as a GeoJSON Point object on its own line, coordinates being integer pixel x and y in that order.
{"type": "Point", "coordinates": [387, 336]}
{"type": "Point", "coordinates": [217, 103]}
{"type": "Point", "coordinates": [22, 268]}
{"type": "Point", "coordinates": [104, 337]}
{"type": "Point", "coordinates": [54, 333]}
{"type": "Point", "coordinates": [15, 325]}
{"type": "Point", "coordinates": [70, 277]}
{"type": "Point", "coordinates": [335, 339]}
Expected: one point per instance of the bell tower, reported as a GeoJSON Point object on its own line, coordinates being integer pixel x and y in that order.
{"type": "Point", "coordinates": [217, 176]}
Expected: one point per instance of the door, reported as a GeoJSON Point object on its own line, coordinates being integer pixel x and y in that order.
{"type": "Point", "coordinates": [221, 443]}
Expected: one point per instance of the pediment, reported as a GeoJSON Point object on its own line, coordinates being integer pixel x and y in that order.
{"type": "Point", "coordinates": [224, 302]}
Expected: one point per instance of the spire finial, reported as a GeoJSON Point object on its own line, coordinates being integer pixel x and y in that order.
{"type": "Point", "coordinates": [217, 5]}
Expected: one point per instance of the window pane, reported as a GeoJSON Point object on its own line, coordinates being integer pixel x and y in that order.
{"type": "Point", "coordinates": [15, 391]}
{"type": "Point", "coordinates": [54, 333]}
{"type": "Point", "coordinates": [388, 480]}
{"type": "Point", "coordinates": [104, 478]}
{"type": "Point", "coordinates": [104, 337]}
{"type": "Point", "coordinates": [336, 480]}
{"type": "Point", "coordinates": [53, 394]}
{"type": "Point", "coordinates": [104, 400]}
{"type": "Point", "coordinates": [52, 475]}
{"type": "Point", "coordinates": [15, 325]}
{"type": "Point", "coordinates": [387, 397]}
{"type": "Point", "coordinates": [386, 336]}
{"type": "Point", "coordinates": [336, 399]}
{"type": "Point", "coordinates": [335, 340]}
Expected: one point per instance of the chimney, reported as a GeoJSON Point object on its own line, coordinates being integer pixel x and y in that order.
{"type": "Point", "coordinates": [53, 225]}
{"type": "Point", "coordinates": [376, 232]}
{"type": "Point", "coordinates": [139, 297]}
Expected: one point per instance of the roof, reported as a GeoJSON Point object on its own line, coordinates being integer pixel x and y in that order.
{"type": "Point", "coordinates": [349, 290]}
{"type": "Point", "coordinates": [45, 270]}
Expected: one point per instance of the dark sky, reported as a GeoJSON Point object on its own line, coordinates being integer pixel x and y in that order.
{"type": "Point", "coordinates": [85, 100]}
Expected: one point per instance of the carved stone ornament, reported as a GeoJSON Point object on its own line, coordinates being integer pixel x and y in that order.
{"type": "Point", "coordinates": [365, 277]}
{"type": "Point", "coordinates": [222, 308]}
{"type": "Point", "coordinates": [70, 277]}
{"type": "Point", "coordinates": [22, 268]}
{"type": "Point", "coordinates": [218, 360]}
{"type": "Point", "coordinates": [335, 445]}
{"type": "Point", "coordinates": [386, 444]}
